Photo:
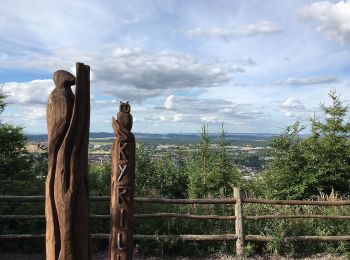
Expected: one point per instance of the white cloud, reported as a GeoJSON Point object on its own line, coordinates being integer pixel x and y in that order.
{"type": "Point", "coordinates": [333, 20]}
{"type": "Point", "coordinates": [169, 102]}
{"type": "Point", "coordinates": [236, 32]}
{"type": "Point", "coordinates": [205, 76]}
{"type": "Point", "coordinates": [131, 73]}
{"type": "Point", "coordinates": [308, 81]}
{"type": "Point", "coordinates": [35, 92]}
{"type": "Point", "coordinates": [292, 107]}
{"type": "Point", "coordinates": [292, 103]}
{"type": "Point", "coordinates": [193, 110]}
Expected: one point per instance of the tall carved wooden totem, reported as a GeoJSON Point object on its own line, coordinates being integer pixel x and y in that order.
{"type": "Point", "coordinates": [122, 186]}
{"type": "Point", "coordinates": [66, 192]}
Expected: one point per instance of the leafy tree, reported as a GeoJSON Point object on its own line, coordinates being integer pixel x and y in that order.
{"type": "Point", "coordinates": [17, 175]}
{"type": "Point", "coordinates": [21, 173]}
{"type": "Point", "coordinates": [100, 178]}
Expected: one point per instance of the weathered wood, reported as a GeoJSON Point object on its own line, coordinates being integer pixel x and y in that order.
{"type": "Point", "coordinates": [298, 202]}
{"type": "Point", "coordinates": [258, 238]}
{"type": "Point", "coordinates": [122, 187]}
{"type": "Point", "coordinates": [178, 215]}
{"type": "Point", "coordinates": [95, 216]}
{"type": "Point", "coordinates": [298, 238]}
{"type": "Point", "coordinates": [22, 216]}
{"type": "Point", "coordinates": [191, 201]}
{"type": "Point", "coordinates": [318, 238]}
{"type": "Point", "coordinates": [332, 217]}
{"type": "Point", "coordinates": [223, 237]}
{"type": "Point", "coordinates": [239, 222]}
{"type": "Point", "coordinates": [43, 216]}
{"type": "Point", "coordinates": [185, 201]}
{"type": "Point", "coordinates": [66, 192]}
{"type": "Point", "coordinates": [189, 216]}
{"type": "Point", "coordinates": [22, 236]}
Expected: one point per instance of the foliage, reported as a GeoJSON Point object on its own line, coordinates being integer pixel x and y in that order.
{"type": "Point", "coordinates": [304, 167]}
{"type": "Point", "coordinates": [146, 183]}
{"type": "Point", "coordinates": [21, 173]}
{"type": "Point", "coordinates": [210, 171]}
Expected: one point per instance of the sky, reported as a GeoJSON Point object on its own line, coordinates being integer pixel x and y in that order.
{"type": "Point", "coordinates": [255, 66]}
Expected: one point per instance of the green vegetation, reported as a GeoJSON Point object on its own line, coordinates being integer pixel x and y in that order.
{"type": "Point", "coordinates": [305, 167]}
{"type": "Point", "coordinates": [21, 173]}
{"type": "Point", "coordinates": [301, 168]}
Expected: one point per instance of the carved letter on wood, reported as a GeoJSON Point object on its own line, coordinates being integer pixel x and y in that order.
{"type": "Point", "coordinates": [122, 186]}
{"type": "Point", "coordinates": [66, 191]}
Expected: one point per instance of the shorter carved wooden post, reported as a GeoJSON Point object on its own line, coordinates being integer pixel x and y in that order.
{"type": "Point", "coordinates": [122, 186]}
{"type": "Point", "coordinates": [239, 222]}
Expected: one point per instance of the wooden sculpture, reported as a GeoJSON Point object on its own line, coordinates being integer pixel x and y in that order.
{"type": "Point", "coordinates": [122, 186]}
{"type": "Point", "coordinates": [66, 192]}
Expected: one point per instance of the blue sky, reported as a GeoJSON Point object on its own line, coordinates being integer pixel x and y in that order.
{"type": "Point", "coordinates": [254, 66]}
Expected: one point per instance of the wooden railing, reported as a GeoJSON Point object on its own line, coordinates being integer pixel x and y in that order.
{"type": "Point", "coordinates": [240, 237]}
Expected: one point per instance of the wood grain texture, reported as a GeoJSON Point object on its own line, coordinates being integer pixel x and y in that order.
{"type": "Point", "coordinates": [66, 194]}
{"type": "Point", "coordinates": [239, 222]}
{"type": "Point", "coordinates": [122, 187]}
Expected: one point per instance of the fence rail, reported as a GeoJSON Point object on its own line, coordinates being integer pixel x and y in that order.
{"type": "Point", "coordinates": [238, 216]}
{"type": "Point", "coordinates": [191, 201]}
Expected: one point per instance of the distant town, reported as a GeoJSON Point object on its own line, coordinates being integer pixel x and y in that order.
{"type": "Point", "coordinates": [250, 152]}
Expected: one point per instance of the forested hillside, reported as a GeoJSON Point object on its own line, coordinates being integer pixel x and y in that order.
{"type": "Point", "coordinates": [312, 167]}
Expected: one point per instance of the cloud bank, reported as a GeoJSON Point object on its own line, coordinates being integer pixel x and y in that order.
{"type": "Point", "coordinates": [333, 20]}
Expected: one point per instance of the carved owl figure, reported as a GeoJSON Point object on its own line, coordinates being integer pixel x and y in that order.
{"type": "Point", "coordinates": [124, 117]}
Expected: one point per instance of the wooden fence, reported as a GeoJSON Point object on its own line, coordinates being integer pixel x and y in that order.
{"type": "Point", "coordinates": [238, 215]}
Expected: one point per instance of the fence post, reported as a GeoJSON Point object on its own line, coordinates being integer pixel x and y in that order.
{"type": "Point", "coordinates": [239, 222]}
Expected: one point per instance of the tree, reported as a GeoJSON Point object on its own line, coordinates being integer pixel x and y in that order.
{"type": "Point", "coordinates": [285, 176]}
{"type": "Point", "coordinates": [21, 173]}
{"type": "Point", "coordinates": [304, 167]}
{"type": "Point", "coordinates": [198, 167]}
{"type": "Point", "coordinates": [226, 175]}
{"type": "Point", "coordinates": [210, 170]}
{"type": "Point", "coordinates": [17, 175]}
{"type": "Point", "coordinates": [145, 179]}
{"type": "Point", "coordinates": [328, 149]}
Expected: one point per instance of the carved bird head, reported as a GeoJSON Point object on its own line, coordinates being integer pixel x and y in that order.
{"type": "Point", "coordinates": [63, 78]}
{"type": "Point", "coordinates": [124, 107]}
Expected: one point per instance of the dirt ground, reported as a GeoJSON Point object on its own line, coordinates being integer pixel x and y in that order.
{"type": "Point", "coordinates": [218, 256]}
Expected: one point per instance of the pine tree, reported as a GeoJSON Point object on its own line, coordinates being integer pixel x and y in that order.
{"type": "Point", "coordinates": [331, 147]}
{"type": "Point", "coordinates": [304, 167]}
